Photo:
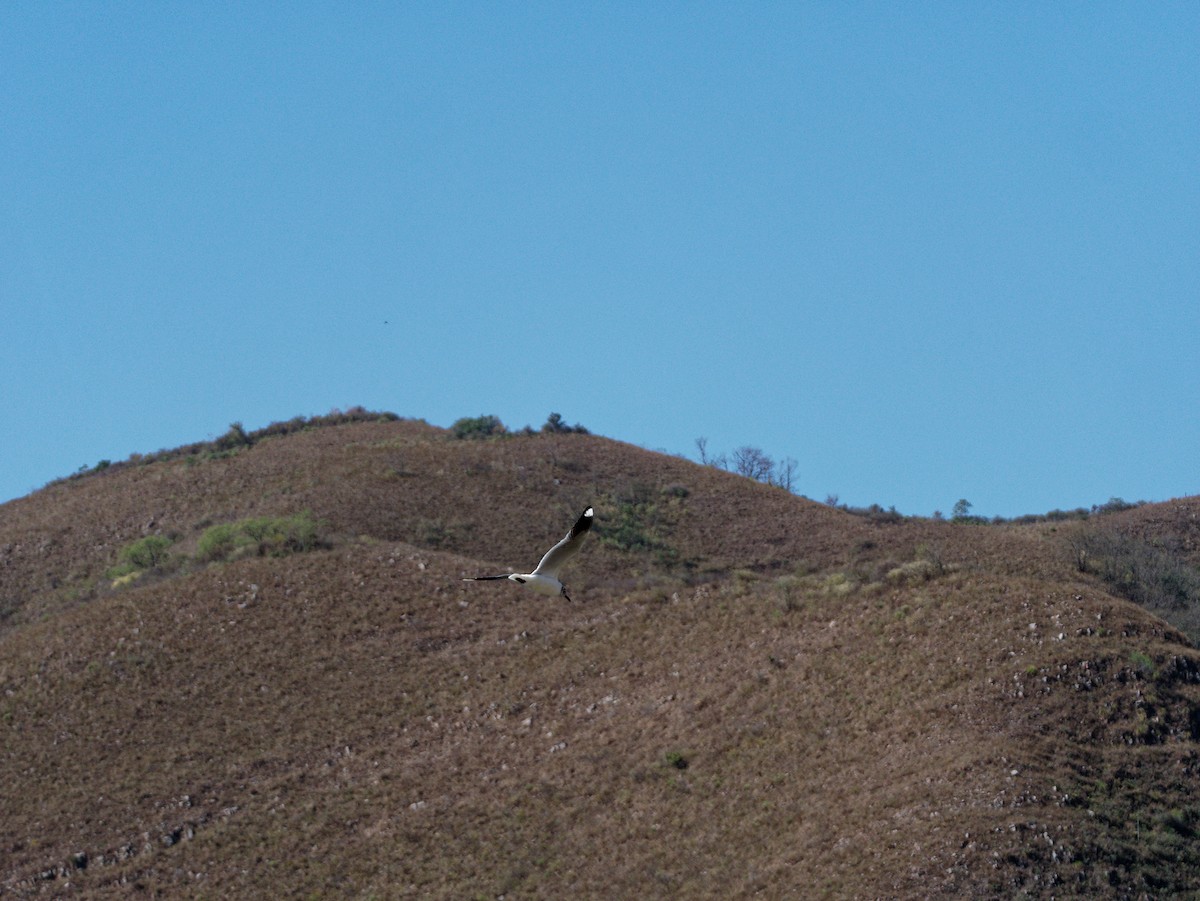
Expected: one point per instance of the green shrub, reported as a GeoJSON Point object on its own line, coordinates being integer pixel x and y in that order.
{"type": "Point", "coordinates": [146, 553]}
{"type": "Point", "coordinates": [478, 427]}
{"type": "Point", "coordinates": [264, 536]}
{"type": "Point", "coordinates": [220, 542]}
{"type": "Point", "coordinates": [279, 536]}
{"type": "Point", "coordinates": [140, 556]}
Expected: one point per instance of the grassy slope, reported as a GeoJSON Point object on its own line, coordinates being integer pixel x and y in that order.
{"type": "Point", "coordinates": [743, 701]}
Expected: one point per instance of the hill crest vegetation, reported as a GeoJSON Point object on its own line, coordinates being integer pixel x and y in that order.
{"type": "Point", "coordinates": [249, 667]}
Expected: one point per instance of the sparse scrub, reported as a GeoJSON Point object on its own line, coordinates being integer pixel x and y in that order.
{"type": "Point", "coordinates": [876, 513]}
{"type": "Point", "coordinates": [784, 474]}
{"type": "Point", "coordinates": [555, 425]}
{"type": "Point", "coordinates": [1144, 573]}
{"type": "Point", "coordinates": [1114, 505]}
{"type": "Point", "coordinates": [1143, 663]}
{"type": "Point", "coordinates": [753, 463]}
{"type": "Point", "coordinates": [639, 523]}
{"type": "Point", "coordinates": [237, 438]}
{"type": "Point", "coordinates": [839, 585]}
{"type": "Point", "coordinates": [914, 571]}
{"type": "Point", "coordinates": [745, 579]}
{"type": "Point", "coordinates": [1138, 570]}
{"type": "Point", "coordinates": [933, 554]}
{"type": "Point", "coordinates": [437, 533]}
{"type": "Point", "coordinates": [926, 566]}
{"type": "Point", "coordinates": [790, 593]}
{"type": "Point", "coordinates": [1066, 515]}
{"type": "Point", "coordinates": [628, 527]}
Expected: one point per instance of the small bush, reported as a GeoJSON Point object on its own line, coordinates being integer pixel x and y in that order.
{"type": "Point", "coordinates": [146, 553]}
{"type": "Point", "coordinates": [555, 425]}
{"type": "Point", "coordinates": [236, 437]}
{"type": "Point", "coordinates": [676, 759]}
{"type": "Point", "coordinates": [478, 427]}
{"type": "Point", "coordinates": [139, 556]}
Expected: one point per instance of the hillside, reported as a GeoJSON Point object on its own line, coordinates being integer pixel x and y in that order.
{"type": "Point", "coordinates": [750, 694]}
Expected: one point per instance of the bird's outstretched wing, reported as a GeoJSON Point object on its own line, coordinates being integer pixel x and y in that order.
{"type": "Point", "coordinates": [484, 578]}
{"type": "Point", "coordinates": [565, 549]}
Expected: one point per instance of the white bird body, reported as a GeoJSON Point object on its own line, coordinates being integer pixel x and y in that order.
{"type": "Point", "coordinates": [540, 583]}
{"type": "Point", "coordinates": [544, 579]}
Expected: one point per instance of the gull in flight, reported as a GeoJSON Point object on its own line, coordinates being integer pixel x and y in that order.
{"type": "Point", "coordinates": [544, 579]}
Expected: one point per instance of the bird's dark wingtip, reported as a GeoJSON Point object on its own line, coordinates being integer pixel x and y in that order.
{"type": "Point", "coordinates": [584, 522]}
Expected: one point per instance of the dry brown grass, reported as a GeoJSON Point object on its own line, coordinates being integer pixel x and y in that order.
{"type": "Point", "coordinates": [792, 702]}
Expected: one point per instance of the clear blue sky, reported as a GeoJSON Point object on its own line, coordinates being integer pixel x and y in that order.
{"type": "Point", "coordinates": [928, 250]}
